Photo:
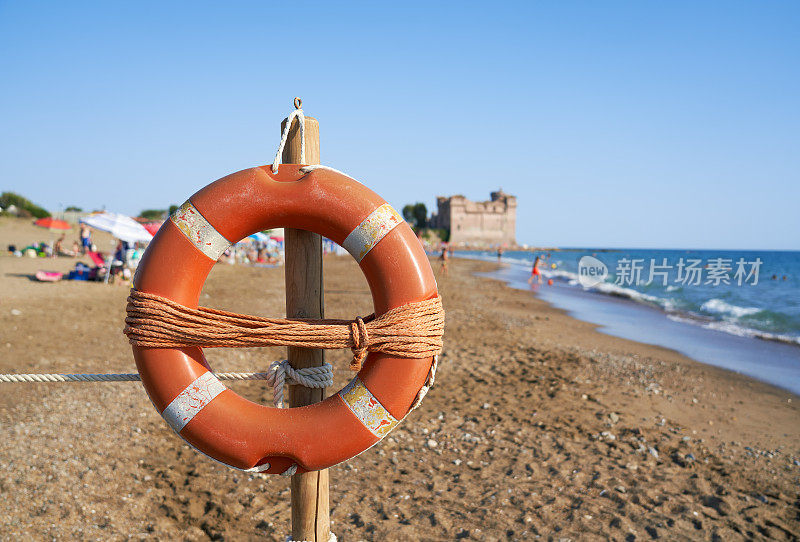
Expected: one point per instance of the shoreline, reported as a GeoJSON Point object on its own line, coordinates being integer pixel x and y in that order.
{"type": "Point", "coordinates": [771, 361]}
{"type": "Point", "coordinates": [717, 322]}
{"type": "Point", "coordinates": [490, 275]}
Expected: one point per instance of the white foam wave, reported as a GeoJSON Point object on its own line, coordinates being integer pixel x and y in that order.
{"type": "Point", "coordinates": [735, 329]}
{"type": "Point", "coordinates": [718, 306]}
{"type": "Point", "coordinates": [610, 288]}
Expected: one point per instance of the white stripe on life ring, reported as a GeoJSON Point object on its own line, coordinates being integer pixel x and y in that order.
{"type": "Point", "coordinates": [367, 408]}
{"type": "Point", "coordinates": [192, 400]}
{"type": "Point", "coordinates": [369, 233]}
{"type": "Point", "coordinates": [199, 231]}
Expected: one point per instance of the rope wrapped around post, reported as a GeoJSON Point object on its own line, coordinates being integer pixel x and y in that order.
{"type": "Point", "coordinates": [410, 331]}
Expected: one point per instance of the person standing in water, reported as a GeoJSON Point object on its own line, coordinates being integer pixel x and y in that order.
{"type": "Point", "coordinates": [535, 272]}
{"type": "Point", "coordinates": [499, 253]}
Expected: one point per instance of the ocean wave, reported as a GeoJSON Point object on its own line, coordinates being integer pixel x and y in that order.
{"type": "Point", "coordinates": [609, 288]}
{"type": "Point", "coordinates": [721, 316]}
{"type": "Point", "coordinates": [718, 306]}
{"type": "Point", "coordinates": [735, 329]}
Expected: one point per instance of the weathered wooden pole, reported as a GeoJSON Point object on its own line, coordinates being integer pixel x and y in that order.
{"type": "Point", "coordinates": [304, 299]}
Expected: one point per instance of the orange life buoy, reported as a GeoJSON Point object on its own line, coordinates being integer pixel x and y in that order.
{"type": "Point", "coordinates": [224, 425]}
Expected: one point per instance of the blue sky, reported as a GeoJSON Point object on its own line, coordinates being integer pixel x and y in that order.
{"type": "Point", "coordinates": [672, 124]}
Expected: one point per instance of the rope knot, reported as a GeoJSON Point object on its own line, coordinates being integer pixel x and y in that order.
{"type": "Point", "coordinates": [281, 372]}
{"type": "Point", "coordinates": [360, 337]}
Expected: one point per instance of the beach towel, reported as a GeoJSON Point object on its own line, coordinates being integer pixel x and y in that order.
{"type": "Point", "coordinates": [48, 276]}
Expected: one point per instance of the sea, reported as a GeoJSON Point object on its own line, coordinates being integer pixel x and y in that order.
{"type": "Point", "coordinates": [739, 310]}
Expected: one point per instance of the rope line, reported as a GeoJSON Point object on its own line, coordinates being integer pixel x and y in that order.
{"type": "Point", "coordinates": [410, 331]}
{"type": "Point", "coordinates": [113, 377]}
{"type": "Point", "coordinates": [279, 373]}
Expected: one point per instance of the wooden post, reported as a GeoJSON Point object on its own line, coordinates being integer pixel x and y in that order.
{"type": "Point", "coordinates": [304, 299]}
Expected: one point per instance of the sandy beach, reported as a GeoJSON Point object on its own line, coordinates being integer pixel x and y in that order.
{"type": "Point", "coordinates": [538, 426]}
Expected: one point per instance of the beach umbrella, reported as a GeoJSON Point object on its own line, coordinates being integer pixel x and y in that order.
{"type": "Point", "coordinates": [153, 227]}
{"type": "Point", "coordinates": [259, 236]}
{"type": "Point", "coordinates": [52, 223]}
{"type": "Point", "coordinates": [277, 238]}
{"type": "Point", "coordinates": [120, 226]}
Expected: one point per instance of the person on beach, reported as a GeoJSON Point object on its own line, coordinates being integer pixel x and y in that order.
{"type": "Point", "coordinates": [444, 258]}
{"type": "Point", "coordinates": [121, 253]}
{"type": "Point", "coordinates": [58, 248]}
{"type": "Point", "coordinates": [86, 239]}
{"type": "Point", "coordinates": [535, 272]}
{"type": "Point", "coordinates": [499, 253]}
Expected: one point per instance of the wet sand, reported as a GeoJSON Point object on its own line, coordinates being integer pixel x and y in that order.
{"type": "Point", "coordinates": [538, 426]}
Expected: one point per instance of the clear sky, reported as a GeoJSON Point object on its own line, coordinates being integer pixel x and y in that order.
{"type": "Point", "coordinates": [639, 124]}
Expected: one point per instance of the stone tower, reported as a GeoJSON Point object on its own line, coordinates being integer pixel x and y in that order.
{"type": "Point", "coordinates": [478, 223]}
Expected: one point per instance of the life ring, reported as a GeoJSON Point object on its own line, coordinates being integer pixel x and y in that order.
{"type": "Point", "coordinates": [224, 425]}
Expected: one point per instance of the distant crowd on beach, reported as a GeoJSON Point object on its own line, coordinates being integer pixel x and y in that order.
{"type": "Point", "coordinates": [58, 248]}
{"type": "Point", "coordinates": [253, 253]}
{"type": "Point", "coordinates": [118, 265]}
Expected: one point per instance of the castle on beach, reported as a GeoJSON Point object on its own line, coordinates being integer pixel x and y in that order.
{"type": "Point", "coordinates": [478, 223]}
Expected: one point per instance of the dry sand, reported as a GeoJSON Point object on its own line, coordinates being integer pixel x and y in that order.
{"type": "Point", "coordinates": [538, 426]}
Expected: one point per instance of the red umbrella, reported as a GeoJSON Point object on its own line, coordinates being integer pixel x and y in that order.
{"type": "Point", "coordinates": [53, 223]}
{"type": "Point", "coordinates": [153, 227]}
{"type": "Point", "coordinates": [277, 238]}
